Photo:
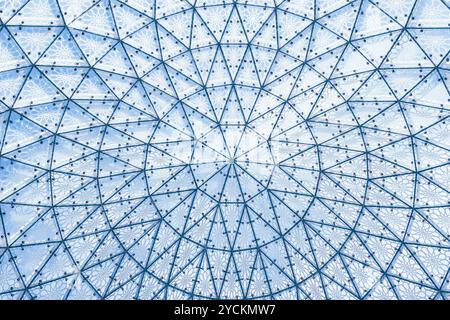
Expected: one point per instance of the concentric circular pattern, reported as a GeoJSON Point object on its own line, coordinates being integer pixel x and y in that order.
{"type": "Point", "coordinates": [224, 149]}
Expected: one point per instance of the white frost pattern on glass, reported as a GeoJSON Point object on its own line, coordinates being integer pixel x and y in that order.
{"type": "Point", "coordinates": [224, 149]}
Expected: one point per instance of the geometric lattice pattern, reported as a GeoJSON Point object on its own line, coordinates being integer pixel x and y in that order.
{"type": "Point", "coordinates": [197, 149]}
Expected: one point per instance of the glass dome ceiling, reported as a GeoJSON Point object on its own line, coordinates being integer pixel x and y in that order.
{"type": "Point", "coordinates": [224, 149]}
